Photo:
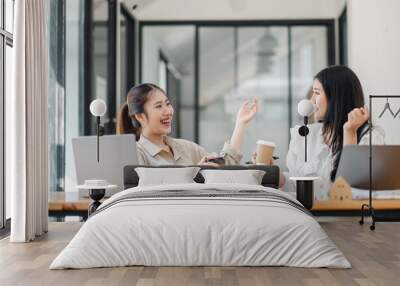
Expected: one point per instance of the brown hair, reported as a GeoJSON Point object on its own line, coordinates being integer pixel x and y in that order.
{"type": "Point", "coordinates": [135, 100]}
{"type": "Point", "coordinates": [124, 122]}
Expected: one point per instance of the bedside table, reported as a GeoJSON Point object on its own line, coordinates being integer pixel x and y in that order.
{"type": "Point", "coordinates": [63, 204]}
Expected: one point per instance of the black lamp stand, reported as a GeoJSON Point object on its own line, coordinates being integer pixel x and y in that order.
{"type": "Point", "coordinates": [303, 131]}
{"type": "Point", "coordinates": [305, 193]}
{"type": "Point", "coordinates": [96, 195]}
{"type": "Point", "coordinates": [100, 132]}
{"type": "Point", "coordinates": [304, 188]}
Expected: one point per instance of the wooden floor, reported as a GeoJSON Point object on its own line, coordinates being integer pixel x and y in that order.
{"type": "Point", "coordinates": [375, 257]}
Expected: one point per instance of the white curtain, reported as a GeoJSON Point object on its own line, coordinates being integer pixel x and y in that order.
{"type": "Point", "coordinates": [28, 122]}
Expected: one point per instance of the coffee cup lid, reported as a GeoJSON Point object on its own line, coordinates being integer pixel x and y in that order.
{"type": "Point", "coordinates": [268, 143]}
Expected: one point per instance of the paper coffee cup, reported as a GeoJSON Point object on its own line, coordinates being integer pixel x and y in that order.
{"type": "Point", "coordinates": [265, 150]}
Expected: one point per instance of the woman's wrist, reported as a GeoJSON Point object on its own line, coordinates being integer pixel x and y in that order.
{"type": "Point", "coordinates": [349, 136]}
{"type": "Point", "coordinates": [348, 129]}
{"type": "Point", "coordinates": [238, 136]}
{"type": "Point", "coordinates": [240, 125]}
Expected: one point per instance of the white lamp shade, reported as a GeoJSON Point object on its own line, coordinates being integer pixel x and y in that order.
{"type": "Point", "coordinates": [306, 107]}
{"type": "Point", "coordinates": [98, 107]}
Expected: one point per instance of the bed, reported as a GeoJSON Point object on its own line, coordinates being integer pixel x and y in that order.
{"type": "Point", "coordinates": [197, 224]}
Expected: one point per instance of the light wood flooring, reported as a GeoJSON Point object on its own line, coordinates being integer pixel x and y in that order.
{"type": "Point", "coordinates": [375, 257]}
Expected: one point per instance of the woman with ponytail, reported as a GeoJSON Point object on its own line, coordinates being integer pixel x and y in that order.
{"type": "Point", "coordinates": [148, 114]}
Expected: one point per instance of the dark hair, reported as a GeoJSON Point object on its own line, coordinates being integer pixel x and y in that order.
{"type": "Point", "coordinates": [344, 93]}
{"type": "Point", "coordinates": [135, 100]}
{"type": "Point", "coordinates": [124, 122]}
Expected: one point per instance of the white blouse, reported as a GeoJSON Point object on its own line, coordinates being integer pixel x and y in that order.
{"type": "Point", "coordinates": [319, 158]}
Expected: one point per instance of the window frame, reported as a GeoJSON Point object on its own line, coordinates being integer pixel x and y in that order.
{"type": "Point", "coordinates": [88, 126]}
{"type": "Point", "coordinates": [343, 36]}
{"type": "Point", "coordinates": [6, 39]}
{"type": "Point", "coordinates": [130, 46]}
{"type": "Point", "coordinates": [328, 23]}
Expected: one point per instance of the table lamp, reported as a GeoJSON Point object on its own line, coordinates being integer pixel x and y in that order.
{"type": "Point", "coordinates": [304, 185]}
{"type": "Point", "coordinates": [305, 108]}
{"type": "Point", "coordinates": [98, 108]}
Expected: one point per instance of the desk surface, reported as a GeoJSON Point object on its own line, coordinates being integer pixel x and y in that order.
{"type": "Point", "coordinates": [355, 205]}
{"type": "Point", "coordinates": [70, 201]}
{"type": "Point", "coordinates": [67, 201]}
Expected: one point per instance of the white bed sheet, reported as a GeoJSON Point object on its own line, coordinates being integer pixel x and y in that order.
{"type": "Point", "coordinates": [200, 231]}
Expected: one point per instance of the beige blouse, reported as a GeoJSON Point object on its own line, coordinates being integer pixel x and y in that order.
{"type": "Point", "coordinates": [184, 153]}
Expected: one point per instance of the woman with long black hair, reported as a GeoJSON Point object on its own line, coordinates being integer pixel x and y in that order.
{"type": "Point", "coordinates": [341, 119]}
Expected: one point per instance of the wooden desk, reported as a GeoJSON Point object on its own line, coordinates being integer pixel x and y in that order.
{"type": "Point", "coordinates": [67, 202]}
{"type": "Point", "coordinates": [355, 205]}
{"type": "Point", "coordinates": [70, 202]}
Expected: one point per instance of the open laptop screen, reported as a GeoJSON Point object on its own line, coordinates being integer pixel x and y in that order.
{"type": "Point", "coordinates": [354, 166]}
{"type": "Point", "coordinates": [116, 151]}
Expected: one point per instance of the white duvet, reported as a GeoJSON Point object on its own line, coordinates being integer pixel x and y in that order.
{"type": "Point", "coordinates": [183, 231]}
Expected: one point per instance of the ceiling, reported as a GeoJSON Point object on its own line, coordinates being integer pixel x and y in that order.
{"type": "Point", "coordinates": [234, 9]}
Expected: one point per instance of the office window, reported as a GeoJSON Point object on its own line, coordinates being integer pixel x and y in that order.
{"type": "Point", "coordinates": [100, 54]}
{"type": "Point", "coordinates": [251, 62]}
{"type": "Point", "coordinates": [216, 85]}
{"type": "Point", "coordinates": [168, 59]}
{"type": "Point", "coordinates": [9, 69]}
{"type": "Point", "coordinates": [309, 50]}
{"type": "Point", "coordinates": [56, 98]}
{"type": "Point", "coordinates": [9, 15]}
{"type": "Point", "coordinates": [123, 58]}
{"type": "Point", "coordinates": [6, 72]}
{"type": "Point", "coordinates": [343, 35]}
{"type": "Point", "coordinates": [169, 80]}
{"type": "Point", "coordinates": [82, 63]}
{"type": "Point", "coordinates": [2, 136]}
{"type": "Point", "coordinates": [162, 73]}
{"type": "Point", "coordinates": [235, 61]}
{"type": "Point", "coordinates": [127, 53]}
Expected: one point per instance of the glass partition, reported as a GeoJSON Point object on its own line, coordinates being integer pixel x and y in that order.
{"type": "Point", "coordinates": [224, 65]}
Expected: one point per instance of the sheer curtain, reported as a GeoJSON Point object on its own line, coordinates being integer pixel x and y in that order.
{"type": "Point", "coordinates": [28, 122]}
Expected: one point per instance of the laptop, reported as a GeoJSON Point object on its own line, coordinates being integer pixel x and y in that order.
{"type": "Point", "coordinates": [115, 152]}
{"type": "Point", "coordinates": [354, 166]}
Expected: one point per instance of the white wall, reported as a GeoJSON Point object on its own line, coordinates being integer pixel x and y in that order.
{"type": "Point", "coordinates": [374, 54]}
{"type": "Point", "coordinates": [238, 9]}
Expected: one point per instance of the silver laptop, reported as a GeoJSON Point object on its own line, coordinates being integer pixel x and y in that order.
{"type": "Point", "coordinates": [115, 152]}
{"type": "Point", "coordinates": [354, 166]}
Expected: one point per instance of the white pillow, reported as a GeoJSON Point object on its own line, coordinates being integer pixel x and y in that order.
{"type": "Point", "coordinates": [248, 177]}
{"type": "Point", "coordinates": [166, 176]}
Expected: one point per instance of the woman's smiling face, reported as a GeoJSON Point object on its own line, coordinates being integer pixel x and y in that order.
{"type": "Point", "coordinates": [320, 100]}
{"type": "Point", "coordinates": [157, 118]}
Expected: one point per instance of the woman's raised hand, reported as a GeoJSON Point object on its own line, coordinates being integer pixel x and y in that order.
{"type": "Point", "coordinates": [247, 111]}
{"type": "Point", "coordinates": [356, 118]}
{"type": "Point", "coordinates": [245, 114]}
